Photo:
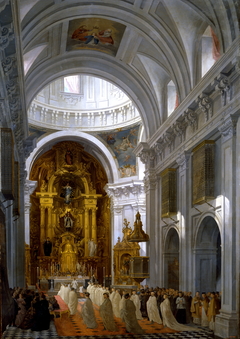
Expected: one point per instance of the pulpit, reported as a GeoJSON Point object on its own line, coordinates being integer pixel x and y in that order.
{"type": "Point", "coordinates": [123, 251]}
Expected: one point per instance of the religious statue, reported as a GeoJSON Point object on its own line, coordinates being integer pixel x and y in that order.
{"type": "Point", "coordinates": [68, 222]}
{"type": "Point", "coordinates": [68, 257]}
{"type": "Point", "coordinates": [56, 247]}
{"type": "Point", "coordinates": [69, 157]}
{"type": "Point", "coordinates": [80, 247]}
{"type": "Point", "coordinates": [68, 192]}
{"type": "Point", "coordinates": [47, 247]}
{"type": "Point", "coordinates": [92, 246]}
{"type": "Point", "coordinates": [43, 187]}
{"type": "Point", "coordinates": [100, 248]}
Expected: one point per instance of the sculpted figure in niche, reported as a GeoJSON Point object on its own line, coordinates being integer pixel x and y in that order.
{"type": "Point", "coordinates": [43, 187]}
{"type": "Point", "coordinates": [68, 222]}
{"type": "Point", "coordinates": [100, 247]}
{"type": "Point", "coordinates": [69, 157]}
{"type": "Point", "coordinates": [80, 247]}
{"type": "Point", "coordinates": [92, 246]}
{"type": "Point", "coordinates": [68, 191]}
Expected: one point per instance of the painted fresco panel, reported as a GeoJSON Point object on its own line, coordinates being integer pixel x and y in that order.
{"type": "Point", "coordinates": [96, 34]}
{"type": "Point", "coordinates": [122, 143]}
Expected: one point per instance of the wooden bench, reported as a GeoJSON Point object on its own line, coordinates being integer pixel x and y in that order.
{"type": "Point", "coordinates": [63, 307]}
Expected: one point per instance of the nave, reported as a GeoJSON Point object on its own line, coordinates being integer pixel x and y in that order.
{"type": "Point", "coordinates": [72, 326]}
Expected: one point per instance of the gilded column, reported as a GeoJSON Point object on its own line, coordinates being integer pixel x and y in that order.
{"type": "Point", "coordinates": [94, 225]}
{"type": "Point", "coordinates": [54, 221]}
{"type": "Point", "coordinates": [42, 224]}
{"type": "Point", "coordinates": [49, 230]}
{"type": "Point", "coordinates": [86, 227]}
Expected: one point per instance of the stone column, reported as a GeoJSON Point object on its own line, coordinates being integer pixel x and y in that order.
{"type": "Point", "coordinates": [227, 320]}
{"type": "Point", "coordinates": [29, 188]}
{"type": "Point", "coordinates": [151, 223]}
{"type": "Point", "coordinates": [183, 217]}
{"type": "Point", "coordinates": [147, 156]}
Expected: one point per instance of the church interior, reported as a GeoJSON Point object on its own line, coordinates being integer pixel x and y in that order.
{"type": "Point", "coordinates": [119, 144]}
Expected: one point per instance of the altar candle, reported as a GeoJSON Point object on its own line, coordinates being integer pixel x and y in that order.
{"type": "Point", "coordinates": [37, 272]}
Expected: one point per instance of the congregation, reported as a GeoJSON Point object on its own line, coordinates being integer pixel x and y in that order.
{"type": "Point", "coordinates": [174, 309]}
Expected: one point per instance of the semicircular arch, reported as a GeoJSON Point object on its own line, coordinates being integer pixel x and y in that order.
{"type": "Point", "coordinates": [97, 148]}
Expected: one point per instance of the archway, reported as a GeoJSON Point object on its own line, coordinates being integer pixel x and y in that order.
{"type": "Point", "coordinates": [171, 260]}
{"type": "Point", "coordinates": [69, 214]}
{"type": "Point", "coordinates": [208, 256]}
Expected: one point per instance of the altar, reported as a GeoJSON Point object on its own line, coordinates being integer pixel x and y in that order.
{"type": "Point", "coordinates": [57, 281]}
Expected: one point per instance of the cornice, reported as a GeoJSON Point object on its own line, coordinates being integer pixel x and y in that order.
{"type": "Point", "coordinates": [206, 86]}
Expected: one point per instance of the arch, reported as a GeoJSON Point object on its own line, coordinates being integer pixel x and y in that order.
{"type": "Point", "coordinates": [128, 81]}
{"type": "Point", "coordinates": [171, 258]}
{"type": "Point", "coordinates": [207, 253]}
{"type": "Point", "coordinates": [96, 148]}
{"type": "Point", "coordinates": [199, 224]}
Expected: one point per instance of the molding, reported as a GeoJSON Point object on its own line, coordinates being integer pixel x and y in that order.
{"type": "Point", "coordinates": [228, 127]}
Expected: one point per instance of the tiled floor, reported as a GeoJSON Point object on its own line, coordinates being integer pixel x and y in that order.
{"type": "Point", "coordinates": [13, 332]}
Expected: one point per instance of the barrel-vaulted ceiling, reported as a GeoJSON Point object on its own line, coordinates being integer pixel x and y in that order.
{"type": "Point", "coordinates": [155, 41]}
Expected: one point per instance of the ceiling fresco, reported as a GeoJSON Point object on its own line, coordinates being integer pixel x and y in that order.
{"type": "Point", "coordinates": [122, 143]}
{"type": "Point", "coordinates": [96, 34]}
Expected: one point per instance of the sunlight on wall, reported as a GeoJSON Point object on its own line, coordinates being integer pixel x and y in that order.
{"type": "Point", "coordinates": [171, 92]}
{"type": "Point", "coordinates": [207, 51]}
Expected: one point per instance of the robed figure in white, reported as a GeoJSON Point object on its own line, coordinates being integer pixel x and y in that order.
{"type": "Point", "coordinates": [169, 320]}
{"type": "Point", "coordinates": [136, 301]}
{"type": "Point", "coordinates": [152, 309]}
{"type": "Point", "coordinates": [60, 292]}
{"type": "Point", "coordinates": [73, 301]}
{"type": "Point", "coordinates": [66, 294]}
{"type": "Point", "coordinates": [115, 304]}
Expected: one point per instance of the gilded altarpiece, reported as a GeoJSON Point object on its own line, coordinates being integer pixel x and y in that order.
{"type": "Point", "coordinates": [70, 215]}
{"type": "Point", "coordinates": [203, 172]}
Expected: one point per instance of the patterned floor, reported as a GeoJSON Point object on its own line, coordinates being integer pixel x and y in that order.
{"type": "Point", "coordinates": [13, 333]}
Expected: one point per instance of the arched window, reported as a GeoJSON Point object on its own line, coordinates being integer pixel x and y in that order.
{"type": "Point", "coordinates": [210, 49]}
{"type": "Point", "coordinates": [71, 84]}
{"type": "Point", "coordinates": [172, 97]}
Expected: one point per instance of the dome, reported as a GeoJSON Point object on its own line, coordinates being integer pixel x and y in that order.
{"type": "Point", "coordinates": [82, 102]}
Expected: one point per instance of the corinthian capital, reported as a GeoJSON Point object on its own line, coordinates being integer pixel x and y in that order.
{"type": "Point", "coordinates": [29, 187]}
{"type": "Point", "coordinates": [183, 160]}
{"type": "Point", "coordinates": [145, 153]}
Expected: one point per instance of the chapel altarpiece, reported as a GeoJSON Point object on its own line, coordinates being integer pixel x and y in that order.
{"type": "Point", "coordinates": [70, 215]}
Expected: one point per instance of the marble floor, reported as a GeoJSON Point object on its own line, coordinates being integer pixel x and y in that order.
{"type": "Point", "coordinates": [14, 332]}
